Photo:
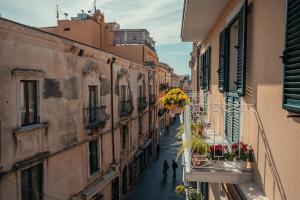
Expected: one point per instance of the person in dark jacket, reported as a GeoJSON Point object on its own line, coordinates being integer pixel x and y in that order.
{"type": "Point", "coordinates": [174, 167]}
{"type": "Point", "coordinates": [157, 150]}
{"type": "Point", "coordinates": [165, 168]}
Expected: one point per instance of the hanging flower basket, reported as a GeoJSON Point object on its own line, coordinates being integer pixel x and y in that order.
{"type": "Point", "coordinates": [175, 99]}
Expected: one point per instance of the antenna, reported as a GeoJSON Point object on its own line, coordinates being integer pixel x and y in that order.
{"type": "Point", "coordinates": [57, 13]}
{"type": "Point", "coordinates": [95, 1]}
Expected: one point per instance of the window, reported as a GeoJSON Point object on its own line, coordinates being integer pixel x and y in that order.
{"type": "Point", "coordinates": [29, 103]}
{"type": "Point", "coordinates": [291, 55]}
{"type": "Point", "coordinates": [32, 183]}
{"type": "Point", "coordinates": [93, 102]}
{"type": "Point", "coordinates": [140, 91]}
{"type": "Point", "coordinates": [123, 98]}
{"type": "Point", "coordinates": [232, 54]}
{"type": "Point", "coordinates": [94, 156]}
{"type": "Point", "coordinates": [205, 69]}
{"type": "Point", "coordinates": [140, 121]}
{"type": "Point", "coordinates": [134, 38]}
{"type": "Point", "coordinates": [124, 136]}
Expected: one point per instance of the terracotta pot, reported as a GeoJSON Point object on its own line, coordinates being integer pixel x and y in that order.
{"type": "Point", "coordinates": [198, 160]}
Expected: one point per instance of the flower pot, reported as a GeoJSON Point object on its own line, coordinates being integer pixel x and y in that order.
{"type": "Point", "coordinates": [198, 160]}
{"type": "Point", "coordinates": [241, 164]}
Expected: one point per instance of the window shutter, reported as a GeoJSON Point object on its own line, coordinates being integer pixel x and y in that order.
{"type": "Point", "coordinates": [291, 58]}
{"type": "Point", "coordinates": [222, 60]}
{"type": "Point", "coordinates": [208, 68]}
{"type": "Point", "coordinates": [232, 118]}
{"type": "Point", "coordinates": [202, 72]}
{"type": "Point", "coordinates": [241, 48]}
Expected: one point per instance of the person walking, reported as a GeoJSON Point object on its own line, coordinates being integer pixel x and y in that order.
{"type": "Point", "coordinates": [165, 168]}
{"type": "Point", "coordinates": [157, 150]}
{"type": "Point", "coordinates": [167, 128]}
{"type": "Point", "coordinates": [174, 166]}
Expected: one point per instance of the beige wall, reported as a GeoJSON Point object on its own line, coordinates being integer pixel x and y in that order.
{"type": "Point", "coordinates": [90, 36]}
{"type": "Point", "coordinates": [65, 139]}
{"type": "Point", "coordinates": [267, 129]}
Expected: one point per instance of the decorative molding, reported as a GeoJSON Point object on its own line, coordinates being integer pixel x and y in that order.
{"type": "Point", "coordinates": [27, 72]}
{"type": "Point", "coordinates": [90, 66]}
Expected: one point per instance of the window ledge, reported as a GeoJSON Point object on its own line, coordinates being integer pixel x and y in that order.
{"type": "Point", "coordinates": [31, 128]}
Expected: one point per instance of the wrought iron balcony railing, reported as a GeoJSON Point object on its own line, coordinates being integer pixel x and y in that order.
{"type": "Point", "coordinates": [223, 129]}
{"type": "Point", "coordinates": [163, 86]}
{"type": "Point", "coordinates": [161, 112]}
{"type": "Point", "coordinates": [134, 42]}
{"type": "Point", "coordinates": [142, 103]}
{"type": "Point", "coordinates": [126, 108]}
{"type": "Point", "coordinates": [152, 100]}
{"type": "Point", "coordinates": [95, 117]}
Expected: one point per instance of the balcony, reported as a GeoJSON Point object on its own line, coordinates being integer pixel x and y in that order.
{"type": "Point", "coordinates": [134, 37]}
{"type": "Point", "coordinates": [163, 86]}
{"type": "Point", "coordinates": [223, 158]}
{"type": "Point", "coordinates": [142, 103]}
{"type": "Point", "coordinates": [152, 100]}
{"type": "Point", "coordinates": [126, 108]}
{"type": "Point", "coordinates": [95, 117]}
{"type": "Point", "coordinates": [161, 112]}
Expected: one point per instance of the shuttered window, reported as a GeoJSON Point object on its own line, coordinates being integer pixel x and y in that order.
{"type": "Point", "coordinates": [241, 48]}
{"type": "Point", "coordinates": [232, 117]}
{"type": "Point", "coordinates": [291, 58]}
{"type": "Point", "coordinates": [205, 69]}
{"type": "Point", "coordinates": [222, 61]}
{"type": "Point", "coordinates": [232, 56]}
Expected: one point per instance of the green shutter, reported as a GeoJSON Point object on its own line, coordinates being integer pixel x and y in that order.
{"type": "Point", "coordinates": [222, 71]}
{"type": "Point", "coordinates": [202, 72]}
{"type": "Point", "coordinates": [291, 58]}
{"type": "Point", "coordinates": [232, 117]}
{"type": "Point", "coordinates": [208, 68]}
{"type": "Point", "coordinates": [242, 46]}
{"type": "Point", "coordinates": [205, 69]}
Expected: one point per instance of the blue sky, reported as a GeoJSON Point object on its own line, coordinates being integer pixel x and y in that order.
{"type": "Point", "coordinates": [161, 17]}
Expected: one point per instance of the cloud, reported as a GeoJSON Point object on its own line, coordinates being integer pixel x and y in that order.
{"type": "Point", "coordinates": [161, 17]}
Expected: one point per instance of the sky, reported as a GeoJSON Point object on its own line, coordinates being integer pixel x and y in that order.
{"type": "Point", "coordinates": [162, 18]}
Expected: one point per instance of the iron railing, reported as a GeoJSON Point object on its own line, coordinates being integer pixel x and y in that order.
{"type": "Point", "coordinates": [152, 99]}
{"type": "Point", "coordinates": [134, 42]}
{"type": "Point", "coordinates": [126, 108]}
{"type": "Point", "coordinates": [211, 118]}
{"type": "Point", "coordinates": [163, 86]}
{"type": "Point", "coordinates": [142, 103]}
{"type": "Point", "coordinates": [95, 117]}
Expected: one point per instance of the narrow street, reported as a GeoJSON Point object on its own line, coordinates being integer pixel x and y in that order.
{"type": "Point", "coordinates": [152, 185]}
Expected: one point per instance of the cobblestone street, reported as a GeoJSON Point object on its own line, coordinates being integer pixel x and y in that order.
{"type": "Point", "coordinates": [152, 185]}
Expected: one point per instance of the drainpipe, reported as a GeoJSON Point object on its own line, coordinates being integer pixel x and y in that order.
{"type": "Point", "coordinates": [112, 61]}
{"type": "Point", "coordinates": [149, 102]}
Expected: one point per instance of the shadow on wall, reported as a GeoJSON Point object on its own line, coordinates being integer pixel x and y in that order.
{"type": "Point", "coordinates": [252, 81]}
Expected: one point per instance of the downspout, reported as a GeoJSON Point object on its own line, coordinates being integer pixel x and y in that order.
{"type": "Point", "coordinates": [149, 113]}
{"type": "Point", "coordinates": [112, 61]}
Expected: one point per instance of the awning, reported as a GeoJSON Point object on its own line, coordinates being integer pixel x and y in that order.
{"type": "Point", "coordinates": [199, 17]}
{"type": "Point", "coordinates": [146, 144]}
{"type": "Point", "coordinates": [95, 187]}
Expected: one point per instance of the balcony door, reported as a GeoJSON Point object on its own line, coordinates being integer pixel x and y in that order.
{"type": "Point", "coordinates": [92, 103]}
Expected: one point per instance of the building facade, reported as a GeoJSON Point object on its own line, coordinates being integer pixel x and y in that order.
{"type": "Point", "coordinates": [246, 54]}
{"type": "Point", "coordinates": [69, 115]}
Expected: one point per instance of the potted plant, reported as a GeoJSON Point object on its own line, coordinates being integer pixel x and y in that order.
{"type": "Point", "coordinates": [175, 99]}
{"type": "Point", "coordinates": [199, 150]}
{"type": "Point", "coordinates": [192, 194]}
{"type": "Point", "coordinates": [243, 154]}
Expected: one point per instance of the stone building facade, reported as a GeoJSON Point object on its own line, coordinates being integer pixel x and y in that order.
{"type": "Point", "coordinates": [69, 115]}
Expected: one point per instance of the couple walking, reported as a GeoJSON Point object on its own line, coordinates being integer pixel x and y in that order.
{"type": "Point", "coordinates": [166, 167]}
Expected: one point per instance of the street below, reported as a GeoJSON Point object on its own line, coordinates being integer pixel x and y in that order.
{"type": "Point", "coordinates": [152, 185]}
